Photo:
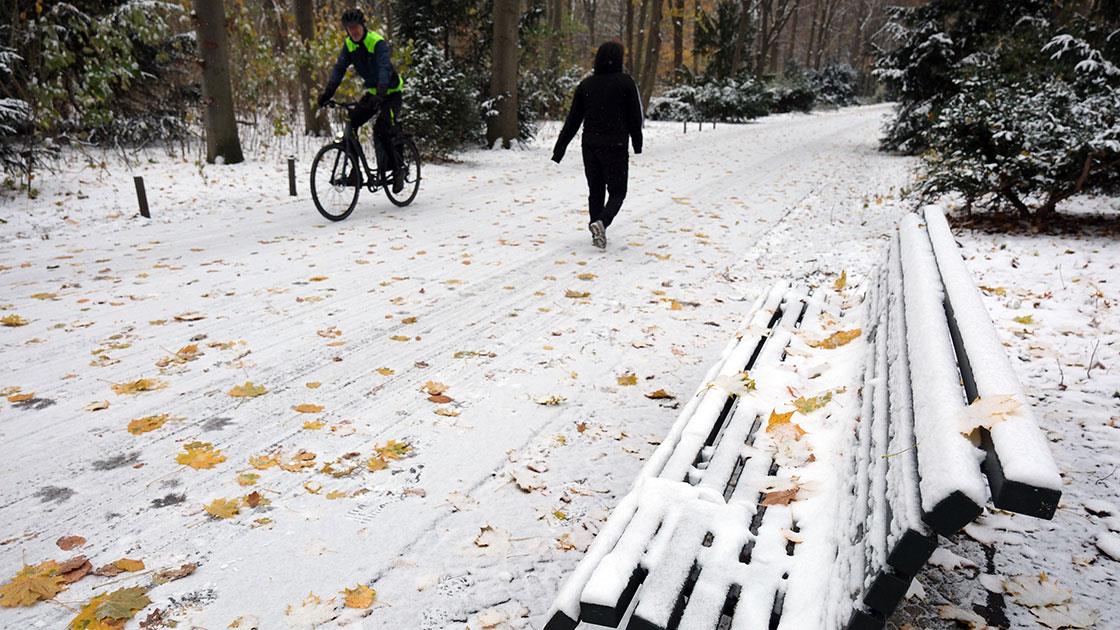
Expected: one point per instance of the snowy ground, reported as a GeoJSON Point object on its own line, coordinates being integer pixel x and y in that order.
{"type": "Point", "coordinates": [467, 289]}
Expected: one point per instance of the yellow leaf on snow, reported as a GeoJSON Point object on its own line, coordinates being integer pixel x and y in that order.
{"type": "Point", "coordinates": [778, 419]}
{"type": "Point", "coordinates": [97, 405]}
{"type": "Point", "coordinates": [308, 408]}
{"type": "Point", "coordinates": [312, 385]}
{"type": "Point", "coordinates": [444, 411]}
{"type": "Point", "coordinates": [628, 379]}
{"type": "Point", "coordinates": [660, 395]}
{"type": "Point", "coordinates": [384, 371]}
{"type": "Point", "coordinates": [43, 296]}
{"type": "Point", "coordinates": [314, 425]}
{"type": "Point", "coordinates": [837, 339]}
{"type": "Point", "coordinates": [264, 462]}
{"type": "Point", "coordinates": [988, 411]}
{"type": "Point", "coordinates": [551, 401]}
{"type": "Point", "coordinates": [147, 423]}
{"type": "Point", "coordinates": [13, 320]}
{"type": "Point", "coordinates": [393, 450]}
{"type": "Point", "coordinates": [199, 455]}
{"type": "Point", "coordinates": [223, 508]}
{"type": "Point", "coordinates": [434, 388]}
{"type": "Point", "coordinates": [376, 463]}
{"type": "Point", "coordinates": [137, 386]}
{"type": "Point", "coordinates": [247, 478]}
{"type": "Point", "coordinates": [129, 565]}
{"type": "Point", "coordinates": [360, 596]}
{"type": "Point", "coordinates": [841, 282]}
{"type": "Point", "coordinates": [31, 584]}
{"type": "Point", "coordinates": [1025, 320]}
{"type": "Point", "coordinates": [586, 276]}
{"type": "Point", "coordinates": [576, 295]}
{"type": "Point", "coordinates": [317, 278]}
{"type": "Point", "coordinates": [401, 338]}
{"type": "Point", "coordinates": [247, 390]}
{"type": "Point", "coordinates": [18, 398]}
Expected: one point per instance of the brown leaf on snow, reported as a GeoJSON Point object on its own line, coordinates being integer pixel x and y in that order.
{"type": "Point", "coordinates": [170, 575]}
{"type": "Point", "coordinates": [837, 339]}
{"type": "Point", "coordinates": [97, 405]}
{"type": "Point", "coordinates": [137, 386]}
{"type": "Point", "coordinates": [780, 497]}
{"type": "Point", "coordinates": [660, 395]}
{"type": "Point", "coordinates": [308, 408]}
{"type": "Point", "coordinates": [66, 543]}
{"type": "Point", "coordinates": [247, 390]}
{"type": "Point", "coordinates": [74, 569]}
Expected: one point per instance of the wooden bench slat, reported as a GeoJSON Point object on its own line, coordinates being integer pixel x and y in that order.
{"type": "Point", "coordinates": [1021, 470]}
{"type": "Point", "coordinates": [953, 491]}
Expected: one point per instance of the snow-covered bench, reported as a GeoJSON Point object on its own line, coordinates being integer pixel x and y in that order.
{"type": "Point", "coordinates": [938, 386]}
{"type": "Point", "coordinates": [698, 544]}
{"type": "Point", "coordinates": [695, 534]}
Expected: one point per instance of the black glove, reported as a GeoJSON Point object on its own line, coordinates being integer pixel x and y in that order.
{"type": "Point", "coordinates": [557, 155]}
{"type": "Point", "coordinates": [324, 98]}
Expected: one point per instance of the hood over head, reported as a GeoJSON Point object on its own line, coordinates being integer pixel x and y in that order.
{"type": "Point", "coordinates": [609, 58]}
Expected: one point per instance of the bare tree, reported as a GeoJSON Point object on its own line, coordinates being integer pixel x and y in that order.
{"type": "Point", "coordinates": [217, 95]}
{"type": "Point", "coordinates": [678, 36]}
{"type": "Point", "coordinates": [314, 125]}
{"type": "Point", "coordinates": [651, 54]}
{"type": "Point", "coordinates": [743, 33]}
{"type": "Point", "coordinates": [775, 15]}
{"type": "Point", "coordinates": [503, 74]}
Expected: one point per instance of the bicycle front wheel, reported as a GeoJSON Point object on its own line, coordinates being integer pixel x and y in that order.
{"type": "Point", "coordinates": [336, 180]}
{"type": "Point", "coordinates": [410, 162]}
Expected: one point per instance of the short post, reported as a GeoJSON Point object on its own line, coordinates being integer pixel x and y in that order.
{"type": "Point", "coordinates": [292, 175]}
{"type": "Point", "coordinates": [142, 197]}
{"type": "Point", "coordinates": [685, 126]}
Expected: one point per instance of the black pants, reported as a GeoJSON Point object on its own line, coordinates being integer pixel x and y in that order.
{"type": "Point", "coordinates": [607, 169]}
{"type": "Point", "coordinates": [384, 128]}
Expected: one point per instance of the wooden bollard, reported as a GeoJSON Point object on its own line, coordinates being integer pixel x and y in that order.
{"type": "Point", "coordinates": [142, 197]}
{"type": "Point", "coordinates": [686, 126]}
{"type": "Point", "coordinates": [291, 175]}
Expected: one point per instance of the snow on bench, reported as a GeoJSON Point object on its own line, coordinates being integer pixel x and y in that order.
{"type": "Point", "coordinates": [695, 544]}
{"type": "Point", "coordinates": [929, 406]}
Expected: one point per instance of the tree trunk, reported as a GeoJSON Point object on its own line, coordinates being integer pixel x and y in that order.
{"type": "Point", "coordinates": [217, 95]}
{"type": "Point", "coordinates": [741, 36]}
{"type": "Point", "coordinates": [629, 36]}
{"type": "Point", "coordinates": [763, 39]}
{"type": "Point", "coordinates": [640, 40]}
{"type": "Point", "coordinates": [678, 37]}
{"type": "Point", "coordinates": [314, 125]}
{"type": "Point", "coordinates": [503, 76]}
{"type": "Point", "coordinates": [652, 53]}
{"type": "Point", "coordinates": [791, 45]}
{"type": "Point", "coordinates": [812, 33]}
{"type": "Point", "coordinates": [553, 43]}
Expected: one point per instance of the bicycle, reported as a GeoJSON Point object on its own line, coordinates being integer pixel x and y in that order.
{"type": "Point", "coordinates": [340, 170]}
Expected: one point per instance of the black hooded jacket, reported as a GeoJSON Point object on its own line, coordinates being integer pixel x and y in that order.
{"type": "Point", "coordinates": [607, 104]}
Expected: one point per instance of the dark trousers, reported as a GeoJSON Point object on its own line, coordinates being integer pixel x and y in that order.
{"type": "Point", "coordinates": [607, 169]}
{"type": "Point", "coordinates": [388, 111]}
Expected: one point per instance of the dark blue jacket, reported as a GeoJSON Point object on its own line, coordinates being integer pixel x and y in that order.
{"type": "Point", "coordinates": [370, 58]}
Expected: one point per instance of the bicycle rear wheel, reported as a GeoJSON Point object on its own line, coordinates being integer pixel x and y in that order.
{"type": "Point", "coordinates": [410, 162]}
{"type": "Point", "coordinates": [336, 181]}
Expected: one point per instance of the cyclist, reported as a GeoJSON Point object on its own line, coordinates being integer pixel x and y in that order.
{"type": "Point", "coordinates": [368, 52]}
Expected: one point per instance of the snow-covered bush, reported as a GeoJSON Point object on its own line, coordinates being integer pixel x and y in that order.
{"type": "Point", "coordinates": [834, 85]}
{"type": "Point", "coordinates": [1031, 124]}
{"type": "Point", "coordinates": [15, 118]}
{"type": "Point", "coordinates": [727, 100]}
{"type": "Point", "coordinates": [792, 92]}
{"type": "Point", "coordinates": [441, 105]}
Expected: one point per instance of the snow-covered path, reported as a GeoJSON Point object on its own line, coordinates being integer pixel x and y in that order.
{"type": "Point", "coordinates": [478, 287]}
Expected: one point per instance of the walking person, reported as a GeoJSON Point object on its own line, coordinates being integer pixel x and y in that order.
{"type": "Point", "coordinates": [607, 105]}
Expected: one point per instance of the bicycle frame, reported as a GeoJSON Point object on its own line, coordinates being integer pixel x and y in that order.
{"type": "Point", "coordinates": [350, 137]}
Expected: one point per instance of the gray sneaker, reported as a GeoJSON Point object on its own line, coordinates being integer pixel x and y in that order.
{"type": "Point", "coordinates": [598, 235]}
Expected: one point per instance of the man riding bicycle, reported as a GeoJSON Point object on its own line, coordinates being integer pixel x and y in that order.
{"type": "Point", "coordinates": [368, 52]}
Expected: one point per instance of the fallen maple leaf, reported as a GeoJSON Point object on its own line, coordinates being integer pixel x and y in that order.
{"type": "Point", "coordinates": [780, 497]}
{"type": "Point", "coordinates": [18, 398]}
{"type": "Point", "coordinates": [12, 321]}
{"type": "Point", "coordinates": [376, 463]}
{"type": "Point", "coordinates": [31, 584]}
{"type": "Point", "coordinates": [441, 399]}
{"type": "Point", "coordinates": [300, 460]}
{"type": "Point", "coordinates": [247, 390]}
{"type": "Point", "coordinates": [170, 575]}
{"type": "Point", "coordinates": [247, 478]}
{"type": "Point", "coordinates": [308, 408]}
{"type": "Point", "coordinates": [360, 596]}
{"type": "Point", "coordinates": [74, 569]}
{"type": "Point", "coordinates": [223, 508]}
{"type": "Point", "coordinates": [199, 455]}
{"type": "Point", "coordinates": [314, 425]}
{"type": "Point", "coordinates": [384, 371]}
{"type": "Point", "coordinates": [628, 379]}
{"type": "Point", "coordinates": [189, 316]}
{"type": "Point", "coordinates": [586, 276]}
{"type": "Point", "coordinates": [576, 295]}
{"type": "Point", "coordinates": [434, 388]}
{"type": "Point", "coordinates": [97, 405]}
{"type": "Point", "coordinates": [393, 450]}
{"type": "Point", "coordinates": [660, 395]}
{"type": "Point", "coordinates": [836, 339]}
{"type": "Point", "coordinates": [122, 603]}
{"type": "Point", "coordinates": [1026, 320]}
{"type": "Point", "coordinates": [778, 419]}
{"type": "Point", "coordinates": [264, 462]}
{"type": "Point", "coordinates": [147, 423]}
{"type": "Point", "coordinates": [312, 385]}
{"type": "Point", "coordinates": [551, 401]}
{"type": "Point", "coordinates": [806, 406]}
{"type": "Point", "coordinates": [841, 282]}
{"type": "Point", "coordinates": [66, 543]}
{"type": "Point", "coordinates": [987, 412]}
{"type": "Point", "coordinates": [137, 386]}
{"type": "Point", "coordinates": [447, 412]}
